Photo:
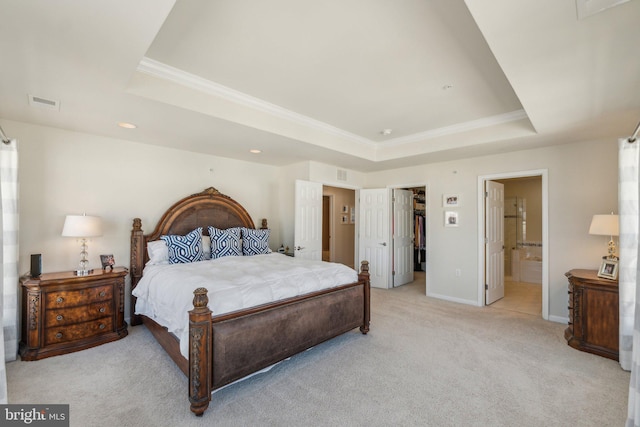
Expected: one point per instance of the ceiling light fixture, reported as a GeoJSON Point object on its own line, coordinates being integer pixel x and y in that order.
{"type": "Point", "coordinates": [127, 125]}
{"type": "Point", "coordinates": [255, 151]}
{"type": "Point", "coordinates": [386, 132]}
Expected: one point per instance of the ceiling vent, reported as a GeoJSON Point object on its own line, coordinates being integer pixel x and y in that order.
{"type": "Point", "coordinates": [587, 8]}
{"type": "Point", "coordinates": [342, 175]}
{"type": "Point", "coordinates": [38, 101]}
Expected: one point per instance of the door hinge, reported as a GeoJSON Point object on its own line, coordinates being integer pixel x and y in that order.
{"type": "Point", "coordinates": [486, 287]}
{"type": "Point", "coordinates": [486, 240]}
{"type": "Point", "coordinates": [486, 194]}
{"type": "Point", "coordinates": [393, 273]}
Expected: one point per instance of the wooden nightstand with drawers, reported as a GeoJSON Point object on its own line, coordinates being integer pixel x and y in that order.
{"type": "Point", "coordinates": [62, 312]}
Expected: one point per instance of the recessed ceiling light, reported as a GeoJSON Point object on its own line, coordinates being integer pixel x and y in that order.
{"type": "Point", "coordinates": [127, 125]}
{"type": "Point", "coordinates": [386, 132]}
{"type": "Point", "coordinates": [255, 151]}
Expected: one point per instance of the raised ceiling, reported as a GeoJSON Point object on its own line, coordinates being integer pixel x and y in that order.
{"type": "Point", "coordinates": [303, 80]}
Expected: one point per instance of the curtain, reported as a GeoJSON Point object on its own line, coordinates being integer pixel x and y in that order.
{"type": "Point", "coordinates": [628, 195]}
{"type": "Point", "coordinates": [8, 258]}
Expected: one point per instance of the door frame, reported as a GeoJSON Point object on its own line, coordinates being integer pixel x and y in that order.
{"type": "Point", "coordinates": [544, 174]}
{"type": "Point", "coordinates": [427, 222]}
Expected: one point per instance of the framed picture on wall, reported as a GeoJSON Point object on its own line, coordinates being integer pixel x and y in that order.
{"type": "Point", "coordinates": [450, 219]}
{"type": "Point", "coordinates": [450, 200]}
{"type": "Point", "coordinates": [608, 268]}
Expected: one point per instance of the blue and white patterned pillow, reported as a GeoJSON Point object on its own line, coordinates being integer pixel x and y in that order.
{"type": "Point", "coordinates": [225, 242]}
{"type": "Point", "coordinates": [255, 242]}
{"type": "Point", "coordinates": [187, 248]}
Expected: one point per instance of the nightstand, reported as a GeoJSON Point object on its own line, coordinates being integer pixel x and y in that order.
{"type": "Point", "coordinates": [593, 313]}
{"type": "Point", "coordinates": [62, 312]}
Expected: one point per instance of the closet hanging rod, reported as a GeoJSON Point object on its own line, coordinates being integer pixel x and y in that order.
{"type": "Point", "coordinates": [633, 137]}
{"type": "Point", "coordinates": [4, 136]}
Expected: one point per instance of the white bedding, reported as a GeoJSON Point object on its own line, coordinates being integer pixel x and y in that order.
{"type": "Point", "coordinates": [165, 292]}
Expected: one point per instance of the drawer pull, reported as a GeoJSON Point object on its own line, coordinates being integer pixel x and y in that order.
{"type": "Point", "coordinates": [59, 317]}
{"type": "Point", "coordinates": [102, 309]}
{"type": "Point", "coordinates": [102, 326]}
{"type": "Point", "coordinates": [103, 293]}
{"type": "Point", "coordinates": [59, 335]}
{"type": "Point", "coordinates": [59, 300]}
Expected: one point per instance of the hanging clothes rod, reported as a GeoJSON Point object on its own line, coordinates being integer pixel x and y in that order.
{"type": "Point", "coordinates": [4, 136]}
{"type": "Point", "coordinates": [633, 137]}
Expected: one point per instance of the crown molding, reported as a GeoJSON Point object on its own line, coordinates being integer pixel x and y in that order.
{"type": "Point", "coordinates": [158, 69]}
{"type": "Point", "coordinates": [163, 71]}
{"type": "Point", "coordinates": [457, 128]}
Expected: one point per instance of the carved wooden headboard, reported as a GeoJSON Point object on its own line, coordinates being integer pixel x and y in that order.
{"type": "Point", "coordinates": [209, 207]}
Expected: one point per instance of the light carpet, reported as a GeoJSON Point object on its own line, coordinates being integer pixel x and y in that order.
{"type": "Point", "coordinates": [425, 362]}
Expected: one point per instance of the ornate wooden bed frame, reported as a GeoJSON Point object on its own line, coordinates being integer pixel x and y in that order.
{"type": "Point", "coordinates": [227, 347]}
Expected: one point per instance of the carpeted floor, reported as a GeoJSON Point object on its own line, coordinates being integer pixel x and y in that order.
{"type": "Point", "coordinates": [425, 363]}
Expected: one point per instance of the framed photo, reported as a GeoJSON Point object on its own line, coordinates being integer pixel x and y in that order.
{"type": "Point", "coordinates": [450, 219]}
{"type": "Point", "coordinates": [352, 218]}
{"type": "Point", "coordinates": [608, 269]}
{"type": "Point", "coordinates": [344, 219]}
{"type": "Point", "coordinates": [450, 200]}
{"type": "Point", "coordinates": [345, 209]}
{"type": "Point", "coordinates": [107, 261]}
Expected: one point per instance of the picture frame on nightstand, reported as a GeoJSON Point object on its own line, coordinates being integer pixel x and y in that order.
{"type": "Point", "coordinates": [608, 268]}
{"type": "Point", "coordinates": [107, 261]}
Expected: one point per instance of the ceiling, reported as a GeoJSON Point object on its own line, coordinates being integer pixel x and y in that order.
{"type": "Point", "coordinates": [309, 80]}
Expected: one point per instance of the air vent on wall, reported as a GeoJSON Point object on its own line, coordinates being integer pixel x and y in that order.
{"type": "Point", "coordinates": [342, 175]}
{"type": "Point", "coordinates": [38, 101]}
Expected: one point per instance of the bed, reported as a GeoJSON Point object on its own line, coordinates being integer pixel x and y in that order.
{"type": "Point", "coordinates": [225, 347]}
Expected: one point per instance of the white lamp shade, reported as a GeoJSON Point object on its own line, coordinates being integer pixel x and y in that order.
{"type": "Point", "coordinates": [605, 225]}
{"type": "Point", "coordinates": [82, 226]}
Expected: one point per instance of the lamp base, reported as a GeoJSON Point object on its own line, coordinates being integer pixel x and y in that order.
{"type": "Point", "coordinates": [83, 272]}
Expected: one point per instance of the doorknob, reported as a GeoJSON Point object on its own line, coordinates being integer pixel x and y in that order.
{"type": "Point", "coordinates": [383, 243]}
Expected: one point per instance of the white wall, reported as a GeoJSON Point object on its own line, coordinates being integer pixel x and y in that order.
{"type": "Point", "coordinates": [582, 182]}
{"type": "Point", "coordinates": [63, 172]}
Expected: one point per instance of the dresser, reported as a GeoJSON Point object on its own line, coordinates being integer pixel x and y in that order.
{"type": "Point", "coordinates": [593, 313]}
{"type": "Point", "coordinates": [62, 312]}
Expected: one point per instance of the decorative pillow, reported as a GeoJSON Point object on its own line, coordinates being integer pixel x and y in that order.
{"type": "Point", "coordinates": [225, 242]}
{"type": "Point", "coordinates": [187, 248]}
{"type": "Point", "coordinates": [255, 242]}
{"type": "Point", "coordinates": [158, 252]}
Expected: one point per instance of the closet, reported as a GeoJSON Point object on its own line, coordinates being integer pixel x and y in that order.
{"type": "Point", "coordinates": [419, 243]}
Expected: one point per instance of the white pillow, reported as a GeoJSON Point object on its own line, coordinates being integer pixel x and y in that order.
{"type": "Point", "coordinates": [206, 246]}
{"type": "Point", "coordinates": [158, 252]}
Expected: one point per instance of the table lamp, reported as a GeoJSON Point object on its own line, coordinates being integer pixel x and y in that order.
{"type": "Point", "coordinates": [82, 226]}
{"type": "Point", "coordinates": [606, 225]}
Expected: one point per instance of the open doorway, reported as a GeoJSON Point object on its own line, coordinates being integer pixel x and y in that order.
{"type": "Point", "coordinates": [338, 225]}
{"type": "Point", "coordinates": [524, 222]}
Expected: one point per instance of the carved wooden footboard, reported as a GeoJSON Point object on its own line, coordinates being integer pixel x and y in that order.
{"type": "Point", "coordinates": [226, 348]}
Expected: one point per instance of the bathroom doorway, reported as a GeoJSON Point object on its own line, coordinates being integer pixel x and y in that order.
{"type": "Point", "coordinates": [526, 281]}
{"type": "Point", "coordinates": [522, 245]}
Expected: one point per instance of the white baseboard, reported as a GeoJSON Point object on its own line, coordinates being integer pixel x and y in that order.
{"type": "Point", "coordinates": [453, 299]}
{"type": "Point", "coordinates": [559, 319]}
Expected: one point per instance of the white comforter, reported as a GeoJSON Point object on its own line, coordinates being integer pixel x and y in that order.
{"type": "Point", "coordinates": [165, 292]}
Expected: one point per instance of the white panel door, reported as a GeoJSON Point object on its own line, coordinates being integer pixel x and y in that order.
{"type": "Point", "coordinates": [494, 241]}
{"type": "Point", "coordinates": [308, 222]}
{"type": "Point", "coordinates": [403, 237]}
{"type": "Point", "coordinates": [374, 236]}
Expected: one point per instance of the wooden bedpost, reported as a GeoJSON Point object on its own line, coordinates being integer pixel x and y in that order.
{"type": "Point", "coordinates": [200, 348]}
{"type": "Point", "coordinates": [137, 264]}
{"type": "Point", "coordinates": [364, 277]}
